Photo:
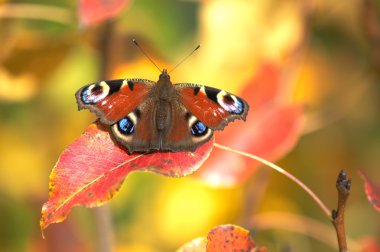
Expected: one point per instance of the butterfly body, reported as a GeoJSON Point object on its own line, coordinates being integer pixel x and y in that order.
{"type": "Point", "coordinates": [146, 116]}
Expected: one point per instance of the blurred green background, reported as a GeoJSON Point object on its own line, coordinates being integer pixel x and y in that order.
{"type": "Point", "coordinates": [330, 50]}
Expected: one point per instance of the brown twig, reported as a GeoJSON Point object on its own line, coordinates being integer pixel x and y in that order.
{"type": "Point", "coordinates": [343, 186]}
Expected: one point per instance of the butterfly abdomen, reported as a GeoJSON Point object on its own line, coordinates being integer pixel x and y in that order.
{"type": "Point", "coordinates": [163, 115]}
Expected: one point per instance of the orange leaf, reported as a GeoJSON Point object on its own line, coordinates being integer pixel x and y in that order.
{"type": "Point", "coordinates": [229, 238]}
{"type": "Point", "coordinates": [92, 169]}
{"type": "Point", "coordinates": [223, 238]}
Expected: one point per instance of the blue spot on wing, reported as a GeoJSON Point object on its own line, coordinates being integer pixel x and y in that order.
{"type": "Point", "coordinates": [92, 96]}
{"type": "Point", "coordinates": [198, 129]}
{"type": "Point", "coordinates": [86, 97]}
{"type": "Point", "coordinates": [126, 126]}
{"type": "Point", "coordinates": [238, 107]}
{"type": "Point", "coordinates": [234, 106]}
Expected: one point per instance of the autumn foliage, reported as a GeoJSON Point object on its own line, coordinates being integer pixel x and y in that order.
{"type": "Point", "coordinates": [92, 170]}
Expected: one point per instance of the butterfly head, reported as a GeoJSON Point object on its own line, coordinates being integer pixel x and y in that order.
{"type": "Point", "coordinates": [164, 75]}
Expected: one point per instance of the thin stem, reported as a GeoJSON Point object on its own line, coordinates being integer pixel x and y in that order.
{"type": "Point", "coordinates": [282, 171]}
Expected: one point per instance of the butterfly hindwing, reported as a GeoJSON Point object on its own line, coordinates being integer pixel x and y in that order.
{"type": "Point", "coordinates": [113, 99]}
{"type": "Point", "coordinates": [213, 107]}
{"type": "Point", "coordinates": [188, 132]}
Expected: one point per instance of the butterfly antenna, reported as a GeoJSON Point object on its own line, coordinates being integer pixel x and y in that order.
{"type": "Point", "coordinates": [146, 55]}
{"type": "Point", "coordinates": [196, 48]}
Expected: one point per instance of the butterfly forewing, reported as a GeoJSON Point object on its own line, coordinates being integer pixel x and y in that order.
{"type": "Point", "coordinates": [113, 99]}
{"type": "Point", "coordinates": [214, 107]}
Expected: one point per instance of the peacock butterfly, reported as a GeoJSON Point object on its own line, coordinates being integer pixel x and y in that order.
{"type": "Point", "coordinates": [145, 116]}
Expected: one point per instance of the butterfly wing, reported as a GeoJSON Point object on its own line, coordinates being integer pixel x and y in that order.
{"type": "Point", "coordinates": [213, 107]}
{"type": "Point", "coordinates": [113, 99]}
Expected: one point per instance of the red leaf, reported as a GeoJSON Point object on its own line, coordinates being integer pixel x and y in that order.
{"type": "Point", "coordinates": [264, 87]}
{"type": "Point", "coordinates": [95, 11]}
{"type": "Point", "coordinates": [92, 169]}
{"type": "Point", "coordinates": [271, 130]}
{"type": "Point", "coordinates": [230, 238]}
{"type": "Point", "coordinates": [372, 190]}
